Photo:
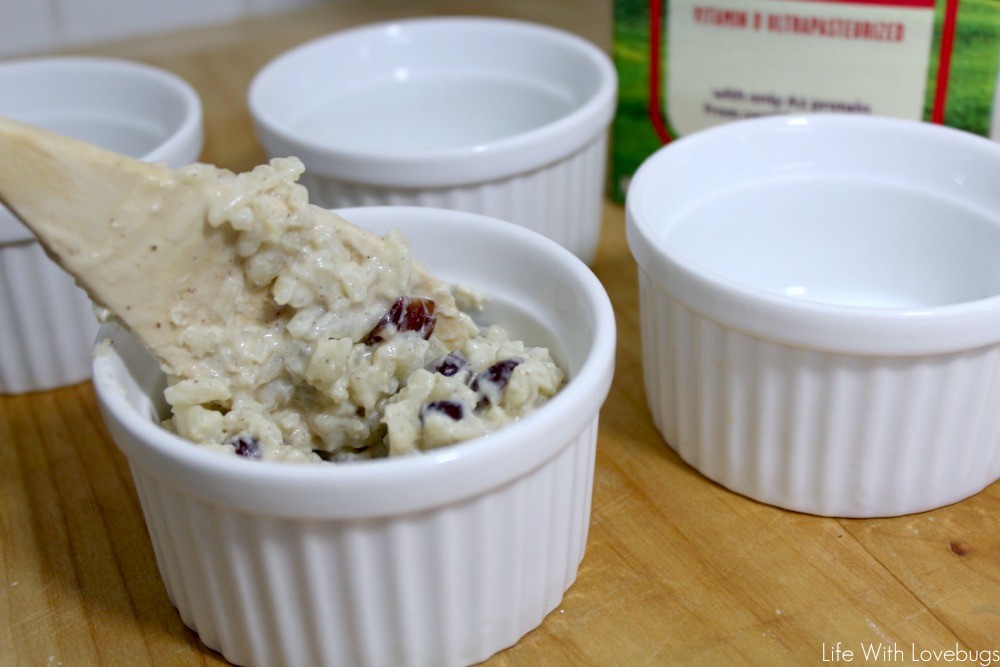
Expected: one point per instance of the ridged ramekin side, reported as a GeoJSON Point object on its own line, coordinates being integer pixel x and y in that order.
{"type": "Point", "coordinates": [562, 201]}
{"type": "Point", "coordinates": [47, 323]}
{"type": "Point", "coordinates": [448, 586]}
{"type": "Point", "coordinates": [820, 432]}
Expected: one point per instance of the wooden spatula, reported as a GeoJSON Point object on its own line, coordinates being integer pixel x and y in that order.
{"type": "Point", "coordinates": [119, 225]}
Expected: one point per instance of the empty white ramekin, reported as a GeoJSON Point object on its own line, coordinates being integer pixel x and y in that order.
{"type": "Point", "coordinates": [493, 116]}
{"type": "Point", "coordinates": [439, 559]}
{"type": "Point", "coordinates": [820, 310]}
{"type": "Point", "coordinates": [47, 323]}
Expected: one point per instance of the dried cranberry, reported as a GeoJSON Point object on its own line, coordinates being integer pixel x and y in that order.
{"type": "Point", "coordinates": [450, 365]}
{"type": "Point", "coordinates": [246, 445]}
{"type": "Point", "coordinates": [498, 374]}
{"type": "Point", "coordinates": [494, 379]}
{"type": "Point", "coordinates": [405, 314]}
{"type": "Point", "coordinates": [451, 409]}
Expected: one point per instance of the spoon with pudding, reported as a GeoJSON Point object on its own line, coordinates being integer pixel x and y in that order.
{"type": "Point", "coordinates": [174, 252]}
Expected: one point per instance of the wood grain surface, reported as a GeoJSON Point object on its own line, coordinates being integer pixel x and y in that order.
{"type": "Point", "coordinates": [678, 570]}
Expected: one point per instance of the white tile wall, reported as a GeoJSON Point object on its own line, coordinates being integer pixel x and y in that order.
{"type": "Point", "coordinates": [83, 21]}
{"type": "Point", "coordinates": [27, 25]}
{"type": "Point", "coordinates": [33, 26]}
{"type": "Point", "coordinates": [264, 6]}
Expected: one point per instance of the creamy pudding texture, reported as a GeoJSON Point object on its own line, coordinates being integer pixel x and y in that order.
{"type": "Point", "coordinates": [366, 355]}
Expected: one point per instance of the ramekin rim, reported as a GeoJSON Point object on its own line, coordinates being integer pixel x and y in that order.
{"type": "Point", "coordinates": [825, 326]}
{"type": "Point", "coordinates": [490, 160]}
{"type": "Point", "coordinates": [587, 386]}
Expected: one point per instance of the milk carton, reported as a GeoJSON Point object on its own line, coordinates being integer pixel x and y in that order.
{"type": "Point", "coordinates": [686, 65]}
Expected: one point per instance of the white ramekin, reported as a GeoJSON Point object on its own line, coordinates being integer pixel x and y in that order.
{"type": "Point", "coordinates": [403, 113]}
{"type": "Point", "coordinates": [820, 310]}
{"type": "Point", "coordinates": [47, 323]}
{"type": "Point", "coordinates": [443, 558]}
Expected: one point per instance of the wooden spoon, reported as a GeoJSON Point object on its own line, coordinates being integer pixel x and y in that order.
{"type": "Point", "coordinates": [122, 227]}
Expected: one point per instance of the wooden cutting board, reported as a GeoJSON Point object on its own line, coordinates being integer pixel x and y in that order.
{"type": "Point", "coordinates": [678, 570]}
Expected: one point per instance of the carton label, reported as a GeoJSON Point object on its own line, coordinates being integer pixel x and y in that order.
{"type": "Point", "coordinates": [686, 65]}
{"type": "Point", "coordinates": [730, 59]}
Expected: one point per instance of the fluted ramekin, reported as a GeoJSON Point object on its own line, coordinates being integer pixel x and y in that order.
{"type": "Point", "coordinates": [439, 559]}
{"type": "Point", "coordinates": [47, 323]}
{"type": "Point", "coordinates": [820, 310]}
{"type": "Point", "coordinates": [499, 117]}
